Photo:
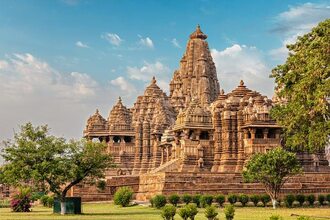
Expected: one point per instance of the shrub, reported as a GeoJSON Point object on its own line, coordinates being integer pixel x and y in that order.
{"type": "Point", "coordinates": [101, 184]}
{"type": "Point", "coordinates": [192, 211]}
{"type": "Point", "coordinates": [174, 199]}
{"type": "Point", "coordinates": [123, 196]}
{"type": "Point", "coordinates": [159, 201]}
{"type": "Point", "coordinates": [243, 198]}
{"type": "Point", "coordinates": [44, 200]}
{"type": "Point", "coordinates": [168, 212]}
{"type": "Point", "coordinates": [151, 202]}
{"type": "Point", "coordinates": [328, 198]}
{"type": "Point", "coordinates": [229, 212]}
{"type": "Point", "coordinates": [321, 199]}
{"type": "Point", "coordinates": [255, 199]}
{"type": "Point", "coordinates": [188, 211]}
{"type": "Point", "coordinates": [183, 212]}
{"type": "Point", "coordinates": [275, 217]}
{"type": "Point", "coordinates": [301, 199]}
{"type": "Point", "coordinates": [211, 212]}
{"type": "Point", "coordinates": [206, 200]}
{"type": "Point", "coordinates": [232, 198]}
{"type": "Point", "coordinates": [197, 200]}
{"type": "Point", "coordinates": [311, 199]}
{"type": "Point", "coordinates": [265, 199]}
{"type": "Point", "coordinates": [186, 198]}
{"type": "Point", "coordinates": [220, 199]}
{"type": "Point", "coordinates": [50, 201]}
{"type": "Point", "coordinates": [289, 199]}
{"type": "Point", "coordinates": [21, 202]}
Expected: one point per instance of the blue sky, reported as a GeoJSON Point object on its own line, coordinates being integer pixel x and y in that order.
{"type": "Point", "coordinates": [62, 59]}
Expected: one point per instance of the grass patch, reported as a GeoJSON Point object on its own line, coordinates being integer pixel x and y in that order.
{"type": "Point", "coordinates": [110, 211]}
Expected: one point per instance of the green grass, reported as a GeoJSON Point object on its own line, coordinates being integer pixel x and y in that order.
{"type": "Point", "coordinates": [97, 211]}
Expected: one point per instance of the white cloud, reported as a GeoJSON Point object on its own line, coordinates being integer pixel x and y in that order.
{"type": "Point", "coordinates": [297, 21]}
{"type": "Point", "coordinates": [32, 90]}
{"type": "Point", "coordinates": [147, 42]}
{"type": "Point", "coordinates": [242, 62]}
{"type": "Point", "coordinates": [112, 38]}
{"type": "Point", "coordinates": [175, 43]}
{"type": "Point", "coordinates": [123, 84]}
{"type": "Point", "coordinates": [148, 70]}
{"type": "Point", "coordinates": [81, 44]}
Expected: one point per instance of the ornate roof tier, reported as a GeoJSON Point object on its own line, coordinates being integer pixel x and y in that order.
{"type": "Point", "coordinates": [120, 119]}
{"type": "Point", "coordinates": [194, 117]}
{"type": "Point", "coordinates": [96, 125]}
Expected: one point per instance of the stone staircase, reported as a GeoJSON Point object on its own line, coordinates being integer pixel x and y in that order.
{"type": "Point", "coordinates": [170, 166]}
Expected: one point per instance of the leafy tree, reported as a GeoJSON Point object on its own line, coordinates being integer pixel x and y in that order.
{"type": "Point", "coordinates": [303, 85]}
{"type": "Point", "coordinates": [272, 169]}
{"type": "Point", "coordinates": [36, 156]}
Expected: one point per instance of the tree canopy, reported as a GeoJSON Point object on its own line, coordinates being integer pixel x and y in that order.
{"type": "Point", "coordinates": [272, 169]}
{"type": "Point", "coordinates": [303, 87]}
{"type": "Point", "coordinates": [36, 156]}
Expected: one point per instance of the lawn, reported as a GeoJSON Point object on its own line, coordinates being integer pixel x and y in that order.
{"type": "Point", "coordinates": [109, 211]}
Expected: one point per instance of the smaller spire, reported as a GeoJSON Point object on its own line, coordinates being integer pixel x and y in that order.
{"type": "Point", "coordinates": [241, 83]}
{"type": "Point", "coordinates": [97, 112]}
{"type": "Point", "coordinates": [222, 92]}
{"type": "Point", "coordinates": [119, 99]}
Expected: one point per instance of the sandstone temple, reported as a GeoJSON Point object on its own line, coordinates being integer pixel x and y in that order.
{"type": "Point", "coordinates": [195, 139]}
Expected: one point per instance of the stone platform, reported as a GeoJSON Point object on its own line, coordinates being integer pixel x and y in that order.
{"type": "Point", "coordinates": [147, 185]}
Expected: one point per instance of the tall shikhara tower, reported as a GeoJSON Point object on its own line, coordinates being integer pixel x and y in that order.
{"type": "Point", "coordinates": [196, 76]}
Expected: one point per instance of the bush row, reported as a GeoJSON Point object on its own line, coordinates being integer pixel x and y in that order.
{"type": "Point", "coordinates": [206, 200]}
{"type": "Point", "coordinates": [189, 211]}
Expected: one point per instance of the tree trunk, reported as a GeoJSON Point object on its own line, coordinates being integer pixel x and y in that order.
{"type": "Point", "coordinates": [274, 203]}
{"type": "Point", "coordinates": [63, 207]}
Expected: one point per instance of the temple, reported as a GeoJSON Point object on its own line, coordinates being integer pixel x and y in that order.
{"type": "Point", "coordinates": [196, 130]}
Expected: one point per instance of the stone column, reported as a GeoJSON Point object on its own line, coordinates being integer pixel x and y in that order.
{"type": "Point", "coordinates": [145, 147]}
{"type": "Point", "coordinates": [138, 148]}
{"type": "Point", "coordinates": [265, 133]}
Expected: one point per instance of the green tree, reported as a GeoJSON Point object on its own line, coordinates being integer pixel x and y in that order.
{"type": "Point", "coordinates": [303, 85]}
{"type": "Point", "coordinates": [36, 156]}
{"type": "Point", "coordinates": [272, 169]}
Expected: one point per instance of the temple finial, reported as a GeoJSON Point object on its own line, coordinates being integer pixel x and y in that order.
{"type": "Point", "coordinates": [241, 83]}
{"type": "Point", "coordinates": [222, 92]}
{"type": "Point", "coordinates": [97, 111]}
{"type": "Point", "coordinates": [119, 99]}
{"type": "Point", "coordinates": [153, 80]}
